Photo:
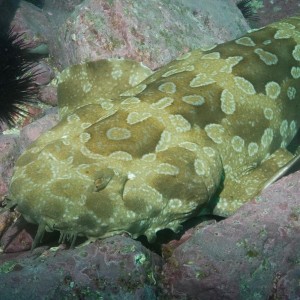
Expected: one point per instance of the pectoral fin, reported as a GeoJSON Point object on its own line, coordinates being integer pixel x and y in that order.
{"type": "Point", "coordinates": [98, 82]}
{"type": "Point", "coordinates": [245, 187]}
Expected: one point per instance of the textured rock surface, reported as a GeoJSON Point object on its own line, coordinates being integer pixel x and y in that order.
{"type": "Point", "coordinates": [19, 236]}
{"type": "Point", "coordinates": [274, 10]}
{"type": "Point", "coordinates": [102, 29]}
{"type": "Point", "coordinates": [252, 255]}
{"type": "Point", "coordinates": [9, 151]}
{"type": "Point", "coordinates": [32, 131]}
{"type": "Point", "coordinates": [114, 268]}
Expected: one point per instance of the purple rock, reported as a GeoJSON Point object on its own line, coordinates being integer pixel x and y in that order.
{"type": "Point", "coordinates": [9, 151]}
{"type": "Point", "coordinates": [48, 95]}
{"type": "Point", "coordinates": [18, 237]}
{"type": "Point", "coordinates": [32, 131]}
{"type": "Point", "coordinates": [114, 268]}
{"type": "Point", "coordinates": [241, 257]}
{"type": "Point", "coordinates": [100, 29]}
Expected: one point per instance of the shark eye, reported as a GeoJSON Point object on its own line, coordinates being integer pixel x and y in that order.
{"type": "Point", "coordinates": [103, 179]}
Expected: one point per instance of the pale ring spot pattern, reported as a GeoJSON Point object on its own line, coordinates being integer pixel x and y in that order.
{"type": "Point", "coordinates": [118, 133]}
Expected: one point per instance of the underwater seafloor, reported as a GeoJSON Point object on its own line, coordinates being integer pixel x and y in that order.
{"type": "Point", "coordinates": [253, 254]}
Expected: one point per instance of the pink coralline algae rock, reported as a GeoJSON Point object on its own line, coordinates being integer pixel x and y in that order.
{"type": "Point", "coordinates": [255, 254]}
{"type": "Point", "coordinates": [9, 151]}
{"type": "Point", "coordinates": [48, 95]}
{"type": "Point", "coordinates": [114, 268]}
{"type": "Point", "coordinates": [152, 31]}
{"type": "Point", "coordinates": [32, 131]}
{"type": "Point", "coordinates": [18, 237]}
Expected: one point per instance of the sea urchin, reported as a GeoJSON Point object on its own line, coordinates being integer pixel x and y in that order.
{"type": "Point", "coordinates": [247, 10]}
{"type": "Point", "coordinates": [17, 80]}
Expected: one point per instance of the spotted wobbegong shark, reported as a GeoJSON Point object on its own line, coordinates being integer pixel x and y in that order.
{"type": "Point", "coordinates": [138, 151]}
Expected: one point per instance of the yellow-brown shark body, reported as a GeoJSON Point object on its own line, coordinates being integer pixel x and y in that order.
{"type": "Point", "coordinates": [138, 152]}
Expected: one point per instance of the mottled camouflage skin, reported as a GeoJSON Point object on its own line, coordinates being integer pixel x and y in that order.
{"type": "Point", "coordinates": [137, 151]}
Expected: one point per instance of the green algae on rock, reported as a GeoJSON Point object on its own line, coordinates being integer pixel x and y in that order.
{"type": "Point", "coordinates": [138, 152]}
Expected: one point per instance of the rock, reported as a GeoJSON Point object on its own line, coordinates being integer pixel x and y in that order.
{"type": "Point", "coordinates": [65, 6]}
{"type": "Point", "coordinates": [99, 29]}
{"type": "Point", "coordinates": [6, 219]}
{"type": "Point", "coordinates": [44, 74]}
{"type": "Point", "coordinates": [275, 10]}
{"type": "Point", "coordinates": [288, 287]}
{"type": "Point", "coordinates": [9, 152]}
{"type": "Point", "coordinates": [241, 257]}
{"type": "Point", "coordinates": [48, 95]}
{"type": "Point", "coordinates": [18, 237]}
{"type": "Point", "coordinates": [114, 268]}
{"type": "Point", "coordinates": [268, 11]}
{"type": "Point", "coordinates": [24, 23]}
{"type": "Point", "coordinates": [32, 131]}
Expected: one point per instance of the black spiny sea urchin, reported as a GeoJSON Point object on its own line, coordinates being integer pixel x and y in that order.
{"type": "Point", "coordinates": [247, 10]}
{"type": "Point", "coordinates": [17, 84]}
